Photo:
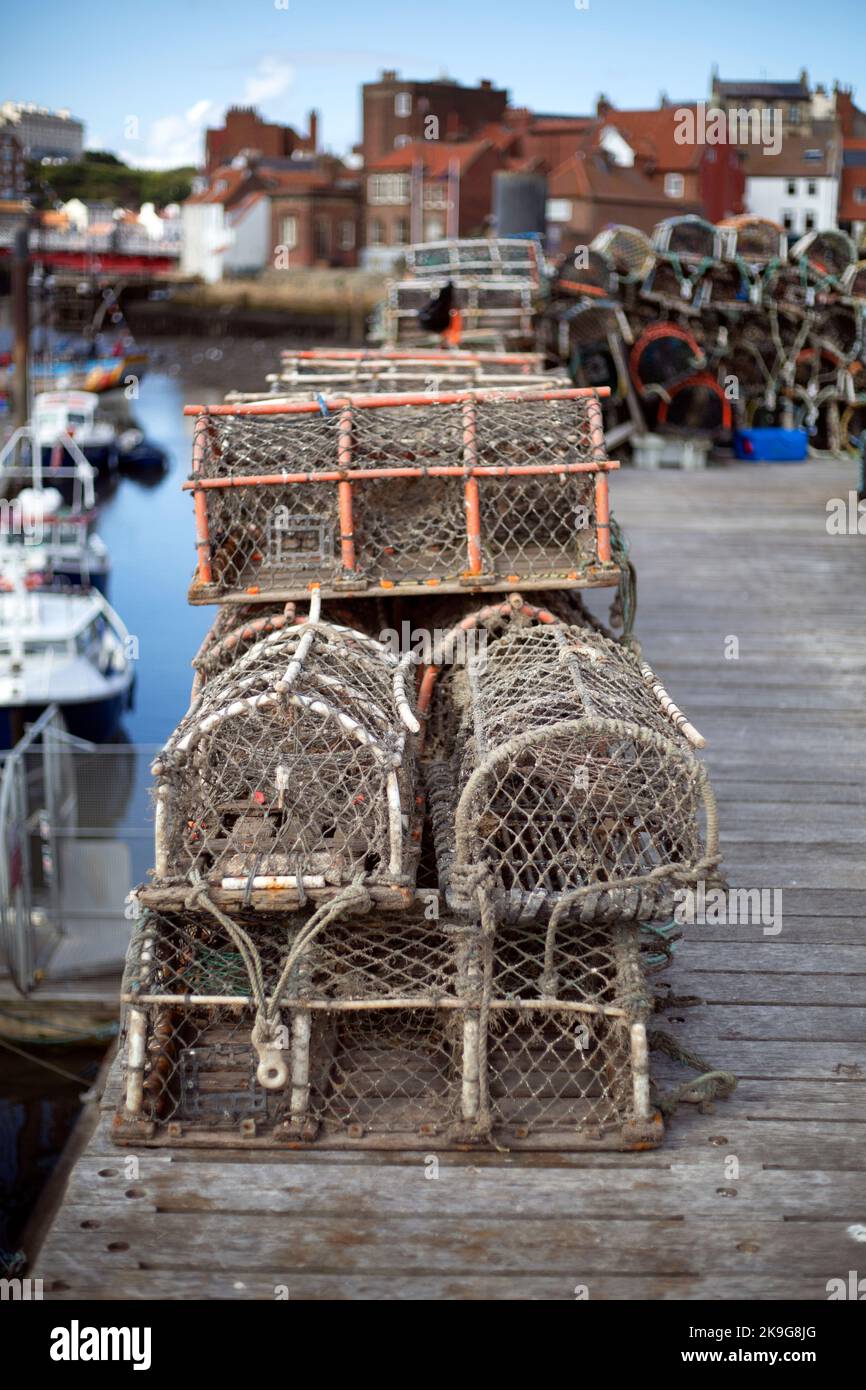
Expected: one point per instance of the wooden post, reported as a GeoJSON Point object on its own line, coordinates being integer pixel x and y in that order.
{"type": "Point", "coordinates": [21, 325]}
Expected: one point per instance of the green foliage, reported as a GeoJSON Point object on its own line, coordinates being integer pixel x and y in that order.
{"type": "Point", "coordinates": [101, 177]}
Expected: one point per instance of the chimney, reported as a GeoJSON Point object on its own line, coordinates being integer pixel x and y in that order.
{"type": "Point", "coordinates": [313, 137]}
{"type": "Point", "coordinates": [485, 84]}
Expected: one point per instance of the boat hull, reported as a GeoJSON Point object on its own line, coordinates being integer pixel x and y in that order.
{"type": "Point", "coordinates": [93, 720]}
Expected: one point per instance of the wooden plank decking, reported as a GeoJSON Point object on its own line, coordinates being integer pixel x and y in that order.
{"type": "Point", "coordinates": [737, 553]}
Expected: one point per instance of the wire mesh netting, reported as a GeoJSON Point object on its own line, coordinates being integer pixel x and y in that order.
{"type": "Point", "coordinates": [477, 256]}
{"type": "Point", "coordinates": [689, 238]}
{"type": "Point", "coordinates": [628, 250]}
{"type": "Point", "coordinates": [754, 240]}
{"type": "Point", "coordinates": [492, 488]}
{"type": "Point", "coordinates": [293, 771]}
{"type": "Point", "coordinates": [384, 1033]}
{"type": "Point", "coordinates": [570, 782]}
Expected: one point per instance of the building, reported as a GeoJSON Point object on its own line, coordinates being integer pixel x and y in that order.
{"type": "Point", "coordinates": [852, 190]}
{"type": "Point", "coordinates": [797, 187]}
{"type": "Point", "coordinates": [43, 134]}
{"type": "Point", "coordinates": [244, 132]}
{"type": "Point", "coordinates": [591, 189]}
{"type": "Point", "coordinates": [13, 168]}
{"type": "Point", "coordinates": [272, 214]}
{"type": "Point", "coordinates": [797, 106]}
{"type": "Point", "coordinates": [692, 175]}
{"type": "Point", "coordinates": [427, 190]}
{"type": "Point", "coordinates": [397, 111]}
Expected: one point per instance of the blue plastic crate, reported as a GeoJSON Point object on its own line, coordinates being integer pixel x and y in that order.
{"type": "Point", "coordinates": [771, 445]}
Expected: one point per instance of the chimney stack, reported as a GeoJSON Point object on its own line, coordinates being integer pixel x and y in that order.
{"type": "Point", "coordinates": [314, 131]}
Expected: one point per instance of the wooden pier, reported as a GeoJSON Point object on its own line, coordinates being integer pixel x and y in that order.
{"type": "Point", "coordinates": [753, 616]}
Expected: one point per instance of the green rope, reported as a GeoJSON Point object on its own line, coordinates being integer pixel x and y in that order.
{"type": "Point", "coordinates": [712, 1084]}
{"type": "Point", "coordinates": [626, 600]}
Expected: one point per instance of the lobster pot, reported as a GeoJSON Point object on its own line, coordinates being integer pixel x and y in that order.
{"type": "Point", "coordinates": [500, 308]}
{"type": "Point", "coordinates": [697, 404]}
{"type": "Point", "coordinates": [825, 256]}
{"type": "Point", "coordinates": [401, 494]}
{"type": "Point", "coordinates": [628, 250]}
{"type": "Point", "coordinates": [291, 774]}
{"type": "Point", "coordinates": [754, 241]}
{"type": "Point", "coordinates": [839, 330]}
{"type": "Point", "coordinates": [854, 282]}
{"type": "Point", "coordinates": [312, 361]}
{"type": "Point", "coordinates": [689, 238]}
{"type": "Point", "coordinates": [674, 282]}
{"type": "Point", "coordinates": [573, 789]}
{"type": "Point", "coordinates": [725, 286]}
{"type": "Point", "coordinates": [664, 355]}
{"type": "Point", "coordinates": [493, 256]}
{"type": "Point", "coordinates": [383, 1033]}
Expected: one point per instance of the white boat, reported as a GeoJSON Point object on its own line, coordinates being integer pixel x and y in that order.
{"type": "Point", "coordinates": [73, 414]}
{"type": "Point", "coordinates": [65, 648]}
{"type": "Point", "coordinates": [48, 518]}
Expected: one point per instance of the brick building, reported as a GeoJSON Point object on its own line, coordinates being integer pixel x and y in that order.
{"type": "Point", "coordinates": [708, 178]}
{"type": "Point", "coordinates": [590, 189]}
{"type": "Point", "coordinates": [428, 190]}
{"type": "Point", "coordinates": [397, 111]}
{"type": "Point", "coordinates": [244, 132]}
{"type": "Point", "coordinates": [272, 213]}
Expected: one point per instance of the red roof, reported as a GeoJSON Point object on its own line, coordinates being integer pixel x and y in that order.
{"type": "Point", "coordinates": [651, 135]}
{"type": "Point", "coordinates": [590, 175]}
{"type": "Point", "coordinates": [435, 156]}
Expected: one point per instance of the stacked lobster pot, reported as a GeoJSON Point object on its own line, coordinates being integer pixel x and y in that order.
{"type": "Point", "coordinates": [779, 331]}
{"type": "Point", "coordinates": [495, 286]}
{"type": "Point", "coordinates": [309, 374]}
{"type": "Point", "coordinates": [399, 889]}
{"type": "Point", "coordinates": [568, 808]}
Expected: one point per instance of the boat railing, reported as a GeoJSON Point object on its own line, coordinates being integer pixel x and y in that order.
{"type": "Point", "coordinates": [76, 828]}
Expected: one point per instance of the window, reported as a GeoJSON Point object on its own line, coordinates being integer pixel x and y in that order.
{"type": "Point", "coordinates": [388, 188]}
{"type": "Point", "coordinates": [813, 155]}
{"type": "Point", "coordinates": [401, 232]}
{"type": "Point", "coordinates": [434, 229]}
{"type": "Point", "coordinates": [860, 195]}
{"type": "Point", "coordinates": [788, 221]}
{"type": "Point", "coordinates": [289, 232]}
{"type": "Point", "coordinates": [792, 188]}
{"type": "Point", "coordinates": [403, 104]}
{"type": "Point", "coordinates": [558, 210]}
{"type": "Point", "coordinates": [321, 238]}
{"type": "Point", "coordinates": [347, 235]}
{"type": "Point", "coordinates": [812, 188]}
{"type": "Point", "coordinates": [674, 185]}
{"type": "Point", "coordinates": [793, 115]}
{"type": "Point", "coordinates": [809, 224]}
{"type": "Point", "coordinates": [375, 233]}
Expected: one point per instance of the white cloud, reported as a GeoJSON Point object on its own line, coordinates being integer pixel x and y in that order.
{"type": "Point", "coordinates": [171, 141]}
{"type": "Point", "coordinates": [270, 79]}
{"type": "Point", "coordinates": [174, 140]}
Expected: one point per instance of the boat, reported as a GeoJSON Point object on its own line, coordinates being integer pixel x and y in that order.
{"type": "Point", "coordinates": [67, 648]}
{"type": "Point", "coordinates": [73, 414]}
{"type": "Point", "coordinates": [48, 519]}
{"type": "Point", "coordinates": [137, 454]}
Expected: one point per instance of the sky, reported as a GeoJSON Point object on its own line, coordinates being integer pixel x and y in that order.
{"type": "Point", "coordinates": [148, 78]}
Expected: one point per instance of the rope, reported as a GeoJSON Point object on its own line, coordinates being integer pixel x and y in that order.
{"type": "Point", "coordinates": [265, 1031]}
{"type": "Point", "coordinates": [712, 1084]}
